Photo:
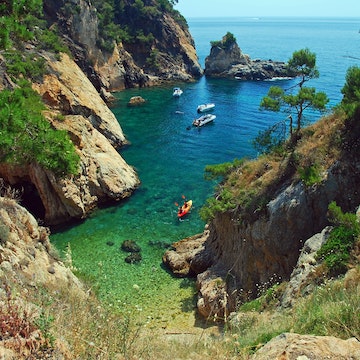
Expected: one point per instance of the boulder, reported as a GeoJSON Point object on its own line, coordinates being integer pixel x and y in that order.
{"type": "Point", "coordinates": [307, 347]}
{"type": "Point", "coordinates": [136, 101]}
{"type": "Point", "coordinates": [182, 258]}
{"type": "Point", "coordinates": [130, 246]}
{"type": "Point", "coordinates": [133, 258]}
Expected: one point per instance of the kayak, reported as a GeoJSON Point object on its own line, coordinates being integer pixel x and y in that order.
{"type": "Point", "coordinates": [185, 208]}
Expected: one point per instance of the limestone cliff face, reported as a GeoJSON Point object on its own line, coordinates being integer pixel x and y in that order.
{"type": "Point", "coordinates": [27, 266]}
{"type": "Point", "coordinates": [76, 106]}
{"type": "Point", "coordinates": [25, 251]}
{"type": "Point", "coordinates": [127, 66]}
{"type": "Point", "coordinates": [258, 253]}
{"type": "Point", "coordinates": [236, 259]}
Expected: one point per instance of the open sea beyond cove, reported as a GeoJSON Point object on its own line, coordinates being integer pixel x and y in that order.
{"type": "Point", "coordinates": [170, 156]}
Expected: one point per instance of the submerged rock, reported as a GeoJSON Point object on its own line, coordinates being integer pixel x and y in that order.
{"type": "Point", "coordinates": [133, 258]}
{"type": "Point", "coordinates": [136, 101]}
{"type": "Point", "coordinates": [130, 246]}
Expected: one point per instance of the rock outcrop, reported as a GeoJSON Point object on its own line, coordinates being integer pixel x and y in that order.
{"type": "Point", "coordinates": [230, 61]}
{"type": "Point", "coordinates": [181, 258]}
{"type": "Point", "coordinates": [25, 251]}
{"type": "Point", "coordinates": [247, 256]}
{"type": "Point", "coordinates": [127, 65]}
{"type": "Point", "coordinates": [300, 283]}
{"type": "Point", "coordinates": [27, 265]}
{"type": "Point", "coordinates": [104, 176]}
{"type": "Point", "coordinates": [308, 347]}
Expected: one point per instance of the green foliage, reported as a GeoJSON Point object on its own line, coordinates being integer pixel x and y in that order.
{"type": "Point", "coordinates": [17, 21]}
{"type": "Point", "coordinates": [331, 310]}
{"type": "Point", "coordinates": [221, 170]}
{"type": "Point", "coordinates": [351, 91]}
{"type": "Point", "coordinates": [50, 40]}
{"type": "Point", "coordinates": [310, 175]}
{"type": "Point", "coordinates": [302, 64]}
{"type": "Point", "coordinates": [336, 251]}
{"type": "Point", "coordinates": [26, 65]}
{"type": "Point", "coordinates": [226, 42]}
{"type": "Point", "coordinates": [271, 139]}
{"type": "Point", "coordinates": [222, 203]}
{"type": "Point", "coordinates": [145, 39]}
{"type": "Point", "coordinates": [26, 136]}
{"type": "Point", "coordinates": [153, 60]}
{"type": "Point", "coordinates": [123, 21]}
{"type": "Point", "coordinates": [44, 324]}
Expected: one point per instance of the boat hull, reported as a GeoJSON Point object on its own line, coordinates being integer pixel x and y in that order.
{"type": "Point", "coordinates": [185, 209]}
{"type": "Point", "coordinates": [203, 120]}
{"type": "Point", "coordinates": [205, 108]}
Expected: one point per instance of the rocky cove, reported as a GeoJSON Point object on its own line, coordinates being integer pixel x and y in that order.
{"type": "Point", "coordinates": [247, 249]}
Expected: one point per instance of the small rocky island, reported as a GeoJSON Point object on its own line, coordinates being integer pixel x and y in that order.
{"type": "Point", "coordinates": [227, 60]}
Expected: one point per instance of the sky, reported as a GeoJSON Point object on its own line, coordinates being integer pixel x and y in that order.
{"type": "Point", "coordinates": [261, 8]}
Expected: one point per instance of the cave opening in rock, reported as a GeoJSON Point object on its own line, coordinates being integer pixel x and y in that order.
{"type": "Point", "coordinates": [30, 199]}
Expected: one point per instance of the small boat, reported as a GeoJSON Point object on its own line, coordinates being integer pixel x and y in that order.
{"type": "Point", "coordinates": [203, 120]}
{"type": "Point", "coordinates": [177, 92]}
{"type": "Point", "coordinates": [205, 107]}
{"type": "Point", "coordinates": [185, 208]}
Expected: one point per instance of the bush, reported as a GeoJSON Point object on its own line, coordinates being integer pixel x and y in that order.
{"type": "Point", "coordinates": [351, 91]}
{"type": "Point", "coordinates": [26, 136]}
{"type": "Point", "coordinates": [310, 175]}
{"type": "Point", "coordinates": [228, 40]}
{"type": "Point", "coordinates": [336, 251]}
{"type": "Point", "coordinates": [29, 66]}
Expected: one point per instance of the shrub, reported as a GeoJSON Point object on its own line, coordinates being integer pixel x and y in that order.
{"type": "Point", "coordinates": [351, 91]}
{"type": "Point", "coordinates": [221, 170]}
{"type": "Point", "coordinates": [26, 136]}
{"type": "Point", "coordinates": [310, 175]}
{"type": "Point", "coordinates": [29, 66]}
{"type": "Point", "coordinates": [336, 251]}
{"type": "Point", "coordinates": [228, 40]}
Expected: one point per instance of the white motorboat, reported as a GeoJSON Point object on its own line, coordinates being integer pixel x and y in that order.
{"type": "Point", "coordinates": [177, 92]}
{"type": "Point", "coordinates": [205, 107]}
{"type": "Point", "coordinates": [204, 119]}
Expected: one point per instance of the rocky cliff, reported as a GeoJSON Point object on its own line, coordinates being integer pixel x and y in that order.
{"type": "Point", "coordinates": [75, 106]}
{"type": "Point", "coordinates": [27, 267]}
{"type": "Point", "coordinates": [229, 61]}
{"type": "Point", "coordinates": [240, 253]}
{"type": "Point", "coordinates": [169, 54]}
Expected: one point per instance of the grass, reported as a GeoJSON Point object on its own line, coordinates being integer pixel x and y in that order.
{"type": "Point", "coordinates": [85, 328]}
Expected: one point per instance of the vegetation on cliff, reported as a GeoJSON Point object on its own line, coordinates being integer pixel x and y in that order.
{"type": "Point", "coordinates": [26, 136]}
{"type": "Point", "coordinates": [126, 21]}
{"type": "Point", "coordinates": [48, 321]}
{"type": "Point", "coordinates": [302, 64]}
{"type": "Point", "coordinates": [225, 43]}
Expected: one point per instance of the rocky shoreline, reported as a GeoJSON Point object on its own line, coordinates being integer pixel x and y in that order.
{"type": "Point", "coordinates": [227, 60]}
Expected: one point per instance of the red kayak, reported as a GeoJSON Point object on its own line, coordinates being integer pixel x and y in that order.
{"type": "Point", "coordinates": [185, 208]}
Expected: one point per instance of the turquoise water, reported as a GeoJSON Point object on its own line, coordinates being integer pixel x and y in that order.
{"type": "Point", "coordinates": [170, 156]}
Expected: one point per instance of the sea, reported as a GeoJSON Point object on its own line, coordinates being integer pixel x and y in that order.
{"type": "Point", "coordinates": [170, 156]}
